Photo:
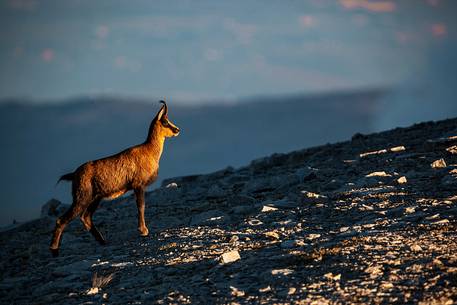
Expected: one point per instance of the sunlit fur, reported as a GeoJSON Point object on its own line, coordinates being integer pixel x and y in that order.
{"type": "Point", "coordinates": [110, 177]}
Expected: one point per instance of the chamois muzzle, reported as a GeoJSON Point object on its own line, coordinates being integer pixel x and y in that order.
{"type": "Point", "coordinates": [175, 130]}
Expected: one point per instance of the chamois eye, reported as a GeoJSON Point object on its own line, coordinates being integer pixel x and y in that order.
{"type": "Point", "coordinates": [165, 123]}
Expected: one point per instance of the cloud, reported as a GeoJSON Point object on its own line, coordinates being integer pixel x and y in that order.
{"type": "Point", "coordinates": [213, 54]}
{"type": "Point", "coordinates": [124, 63]}
{"type": "Point", "coordinates": [18, 52]}
{"type": "Point", "coordinates": [359, 20]}
{"type": "Point", "coordinates": [306, 21]}
{"type": "Point", "coordinates": [439, 29]}
{"type": "Point", "coordinates": [433, 2]}
{"type": "Point", "coordinates": [243, 33]}
{"type": "Point", "coordinates": [292, 78]}
{"type": "Point", "coordinates": [373, 6]}
{"type": "Point", "coordinates": [47, 55]}
{"type": "Point", "coordinates": [405, 38]}
{"type": "Point", "coordinates": [163, 26]}
{"type": "Point", "coordinates": [23, 5]}
{"type": "Point", "coordinates": [102, 31]}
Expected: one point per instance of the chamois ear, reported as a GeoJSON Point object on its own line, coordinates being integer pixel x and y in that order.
{"type": "Point", "coordinates": [163, 111]}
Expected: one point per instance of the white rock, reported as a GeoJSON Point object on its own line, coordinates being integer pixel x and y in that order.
{"type": "Point", "coordinates": [92, 291]}
{"type": "Point", "coordinates": [313, 236]}
{"type": "Point", "coordinates": [237, 292]}
{"type": "Point", "coordinates": [402, 180]}
{"type": "Point", "coordinates": [440, 163]}
{"type": "Point", "coordinates": [378, 174]}
{"type": "Point", "coordinates": [334, 277]}
{"type": "Point", "coordinates": [416, 248]}
{"type": "Point", "coordinates": [265, 289]}
{"type": "Point", "coordinates": [410, 210]}
{"type": "Point", "coordinates": [284, 271]}
{"type": "Point", "coordinates": [230, 257]}
{"type": "Point", "coordinates": [267, 208]}
{"type": "Point", "coordinates": [397, 149]}
{"type": "Point", "coordinates": [272, 235]}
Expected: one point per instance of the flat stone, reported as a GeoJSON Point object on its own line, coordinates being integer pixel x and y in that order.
{"type": "Point", "coordinates": [230, 257]}
{"type": "Point", "coordinates": [272, 235]}
{"type": "Point", "coordinates": [452, 149]}
{"type": "Point", "coordinates": [402, 180]}
{"type": "Point", "coordinates": [397, 149]}
{"type": "Point", "coordinates": [285, 271]}
{"type": "Point", "coordinates": [267, 208]}
{"type": "Point", "coordinates": [416, 248]}
{"type": "Point", "coordinates": [378, 174]}
{"type": "Point", "coordinates": [440, 163]}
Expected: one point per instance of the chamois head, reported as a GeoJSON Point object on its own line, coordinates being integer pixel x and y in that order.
{"type": "Point", "coordinates": [166, 127]}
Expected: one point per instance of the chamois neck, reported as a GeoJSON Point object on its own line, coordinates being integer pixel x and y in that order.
{"type": "Point", "coordinates": [155, 140]}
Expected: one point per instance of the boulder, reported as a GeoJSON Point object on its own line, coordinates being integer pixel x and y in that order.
{"type": "Point", "coordinates": [53, 208]}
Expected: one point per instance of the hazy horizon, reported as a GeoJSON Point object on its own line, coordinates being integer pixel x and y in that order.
{"type": "Point", "coordinates": [192, 51]}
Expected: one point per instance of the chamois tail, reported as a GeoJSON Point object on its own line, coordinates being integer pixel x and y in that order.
{"type": "Point", "coordinates": [66, 177]}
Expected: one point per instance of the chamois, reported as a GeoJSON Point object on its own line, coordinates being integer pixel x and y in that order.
{"type": "Point", "coordinates": [110, 177]}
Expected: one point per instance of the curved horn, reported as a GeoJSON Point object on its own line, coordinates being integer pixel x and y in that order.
{"type": "Point", "coordinates": [165, 106]}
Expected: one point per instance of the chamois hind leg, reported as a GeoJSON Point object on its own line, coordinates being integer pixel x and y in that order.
{"type": "Point", "coordinates": [61, 223]}
{"type": "Point", "coordinates": [139, 193]}
{"type": "Point", "coordinates": [86, 219]}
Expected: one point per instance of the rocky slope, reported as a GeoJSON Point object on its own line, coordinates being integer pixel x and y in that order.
{"type": "Point", "coordinates": [371, 220]}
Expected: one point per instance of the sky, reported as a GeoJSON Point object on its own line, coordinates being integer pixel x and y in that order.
{"type": "Point", "coordinates": [196, 51]}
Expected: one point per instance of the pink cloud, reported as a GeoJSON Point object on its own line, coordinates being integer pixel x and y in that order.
{"type": "Point", "coordinates": [373, 6]}
{"type": "Point", "coordinates": [24, 5]}
{"type": "Point", "coordinates": [47, 55]}
{"type": "Point", "coordinates": [433, 2]}
{"type": "Point", "coordinates": [119, 61]}
{"type": "Point", "coordinates": [102, 31]}
{"type": "Point", "coordinates": [439, 29]}
{"type": "Point", "coordinates": [306, 21]}
{"type": "Point", "coordinates": [18, 52]}
{"type": "Point", "coordinates": [404, 37]}
{"type": "Point", "coordinates": [124, 63]}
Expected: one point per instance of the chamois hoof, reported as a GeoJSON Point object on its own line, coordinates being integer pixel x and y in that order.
{"type": "Point", "coordinates": [144, 232]}
{"type": "Point", "coordinates": [54, 252]}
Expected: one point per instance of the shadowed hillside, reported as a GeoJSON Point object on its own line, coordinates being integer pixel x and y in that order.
{"type": "Point", "coordinates": [42, 142]}
{"type": "Point", "coordinates": [367, 221]}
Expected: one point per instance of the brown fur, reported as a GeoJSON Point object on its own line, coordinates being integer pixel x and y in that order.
{"type": "Point", "coordinates": [111, 177]}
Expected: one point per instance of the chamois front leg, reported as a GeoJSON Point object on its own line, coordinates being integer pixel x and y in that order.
{"type": "Point", "coordinates": [139, 193]}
